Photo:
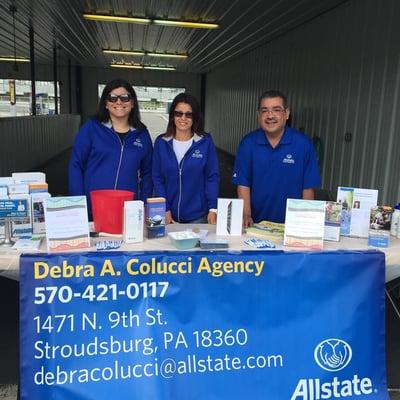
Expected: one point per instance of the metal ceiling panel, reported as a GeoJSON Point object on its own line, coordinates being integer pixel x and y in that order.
{"type": "Point", "coordinates": [243, 26]}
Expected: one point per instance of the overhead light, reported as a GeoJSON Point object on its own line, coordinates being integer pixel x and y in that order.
{"type": "Point", "coordinates": [185, 24]}
{"type": "Point", "coordinates": [12, 59]}
{"type": "Point", "coordinates": [159, 68]}
{"type": "Point", "coordinates": [149, 21]}
{"type": "Point", "coordinates": [142, 66]}
{"type": "Point", "coordinates": [126, 65]}
{"type": "Point", "coordinates": [144, 53]}
{"type": "Point", "coordinates": [115, 18]}
{"type": "Point", "coordinates": [167, 55]}
{"type": "Point", "coordinates": [124, 52]}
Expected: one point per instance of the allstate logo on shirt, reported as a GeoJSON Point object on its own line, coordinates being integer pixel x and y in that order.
{"type": "Point", "coordinates": [332, 354]}
{"type": "Point", "coordinates": [288, 159]}
{"type": "Point", "coordinates": [197, 154]}
{"type": "Point", "coordinates": [138, 142]}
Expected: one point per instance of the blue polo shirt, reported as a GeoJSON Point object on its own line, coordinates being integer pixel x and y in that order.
{"type": "Point", "coordinates": [275, 174]}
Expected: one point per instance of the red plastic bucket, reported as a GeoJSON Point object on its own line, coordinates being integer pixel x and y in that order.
{"type": "Point", "coordinates": [108, 209]}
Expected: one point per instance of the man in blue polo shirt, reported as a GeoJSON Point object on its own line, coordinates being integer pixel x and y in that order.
{"type": "Point", "coordinates": [273, 163]}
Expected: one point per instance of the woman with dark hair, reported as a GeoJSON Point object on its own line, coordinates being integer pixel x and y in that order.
{"type": "Point", "coordinates": [113, 150]}
{"type": "Point", "coordinates": [185, 165]}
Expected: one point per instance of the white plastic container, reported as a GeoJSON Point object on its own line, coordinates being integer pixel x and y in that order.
{"type": "Point", "coordinates": [398, 230]}
{"type": "Point", "coordinates": [394, 228]}
{"type": "Point", "coordinates": [183, 240]}
{"type": "Point", "coordinates": [133, 221]}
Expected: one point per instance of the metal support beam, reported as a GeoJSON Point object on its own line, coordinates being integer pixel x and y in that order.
{"type": "Point", "coordinates": [69, 87]}
{"type": "Point", "coordinates": [78, 93]}
{"type": "Point", "coordinates": [33, 72]}
{"type": "Point", "coordinates": [203, 86]}
{"type": "Point", "coordinates": [55, 78]}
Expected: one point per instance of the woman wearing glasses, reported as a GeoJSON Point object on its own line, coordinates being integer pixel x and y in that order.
{"type": "Point", "coordinates": [185, 165]}
{"type": "Point", "coordinates": [113, 150]}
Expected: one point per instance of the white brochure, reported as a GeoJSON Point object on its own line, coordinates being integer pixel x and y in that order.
{"type": "Point", "coordinates": [67, 225]}
{"type": "Point", "coordinates": [356, 210]}
{"type": "Point", "coordinates": [304, 223]}
{"type": "Point", "coordinates": [37, 208]}
{"type": "Point", "coordinates": [230, 217]}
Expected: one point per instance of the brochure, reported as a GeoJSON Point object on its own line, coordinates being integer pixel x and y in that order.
{"type": "Point", "coordinates": [356, 209]}
{"type": "Point", "coordinates": [22, 226]}
{"type": "Point", "coordinates": [37, 207]}
{"type": "Point", "coordinates": [230, 217]}
{"type": "Point", "coordinates": [27, 244]}
{"type": "Point", "coordinates": [14, 208]}
{"type": "Point", "coordinates": [29, 177]}
{"type": "Point", "coordinates": [267, 229]}
{"type": "Point", "coordinates": [155, 217]}
{"type": "Point", "coordinates": [67, 225]}
{"type": "Point", "coordinates": [305, 223]}
{"type": "Point", "coordinates": [379, 228]}
{"type": "Point", "coordinates": [333, 218]}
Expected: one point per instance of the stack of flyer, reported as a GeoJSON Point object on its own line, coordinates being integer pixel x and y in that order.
{"type": "Point", "coordinates": [32, 187]}
{"type": "Point", "coordinates": [27, 244]}
{"type": "Point", "coordinates": [267, 229]}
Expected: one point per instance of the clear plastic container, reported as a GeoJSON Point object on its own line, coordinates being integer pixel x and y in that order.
{"type": "Point", "coordinates": [184, 239]}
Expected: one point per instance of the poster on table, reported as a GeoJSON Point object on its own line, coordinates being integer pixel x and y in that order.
{"type": "Point", "coordinates": [356, 209]}
{"type": "Point", "coordinates": [181, 326]}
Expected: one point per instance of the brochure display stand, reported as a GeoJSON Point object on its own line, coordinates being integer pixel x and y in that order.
{"type": "Point", "coordinates": [7, 242]}
{"type": "Point", "coordinates": [11, 210]}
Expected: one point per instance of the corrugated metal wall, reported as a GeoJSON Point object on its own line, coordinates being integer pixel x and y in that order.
{"type": "Point", "coordinates": [341, 73]}
{"type": "Point", "coordinates": [27, 142]}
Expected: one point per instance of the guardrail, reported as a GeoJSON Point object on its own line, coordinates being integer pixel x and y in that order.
{"type": "Point", "coordinates": [27, 142]}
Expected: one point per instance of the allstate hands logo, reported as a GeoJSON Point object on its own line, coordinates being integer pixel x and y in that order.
{"type": "Point", "coordinates": [333, 354]}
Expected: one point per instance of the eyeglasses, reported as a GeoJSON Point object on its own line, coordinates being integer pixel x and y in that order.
{"type": "Point", "coordinates": [113, 98]}
{"type": "Point", "coordinates": [180, 114]}
{"type": "Point", "coordinates": [273, 110]}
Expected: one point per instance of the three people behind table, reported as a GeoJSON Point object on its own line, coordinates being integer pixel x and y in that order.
{"type": "Point", "coordinates": [185, 165]}
{"type": "Point", "coordinates": [113, 150]}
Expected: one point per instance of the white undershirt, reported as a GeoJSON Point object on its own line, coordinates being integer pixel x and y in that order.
{"type": "Point", "coordinates": [181, 147]}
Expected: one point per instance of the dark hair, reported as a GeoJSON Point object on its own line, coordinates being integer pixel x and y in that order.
{"type": "Point", "coordinates": [198, 122]}
{"type": "Point", "coordinates": [134, 116]}
{"type": "Point", "coordinates": [271, 94]}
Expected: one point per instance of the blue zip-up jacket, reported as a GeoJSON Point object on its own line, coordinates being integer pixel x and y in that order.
{"type": "Point", "coordinates": [190, 187]}
{"type": "Point", "coordinates": [100, 160]}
